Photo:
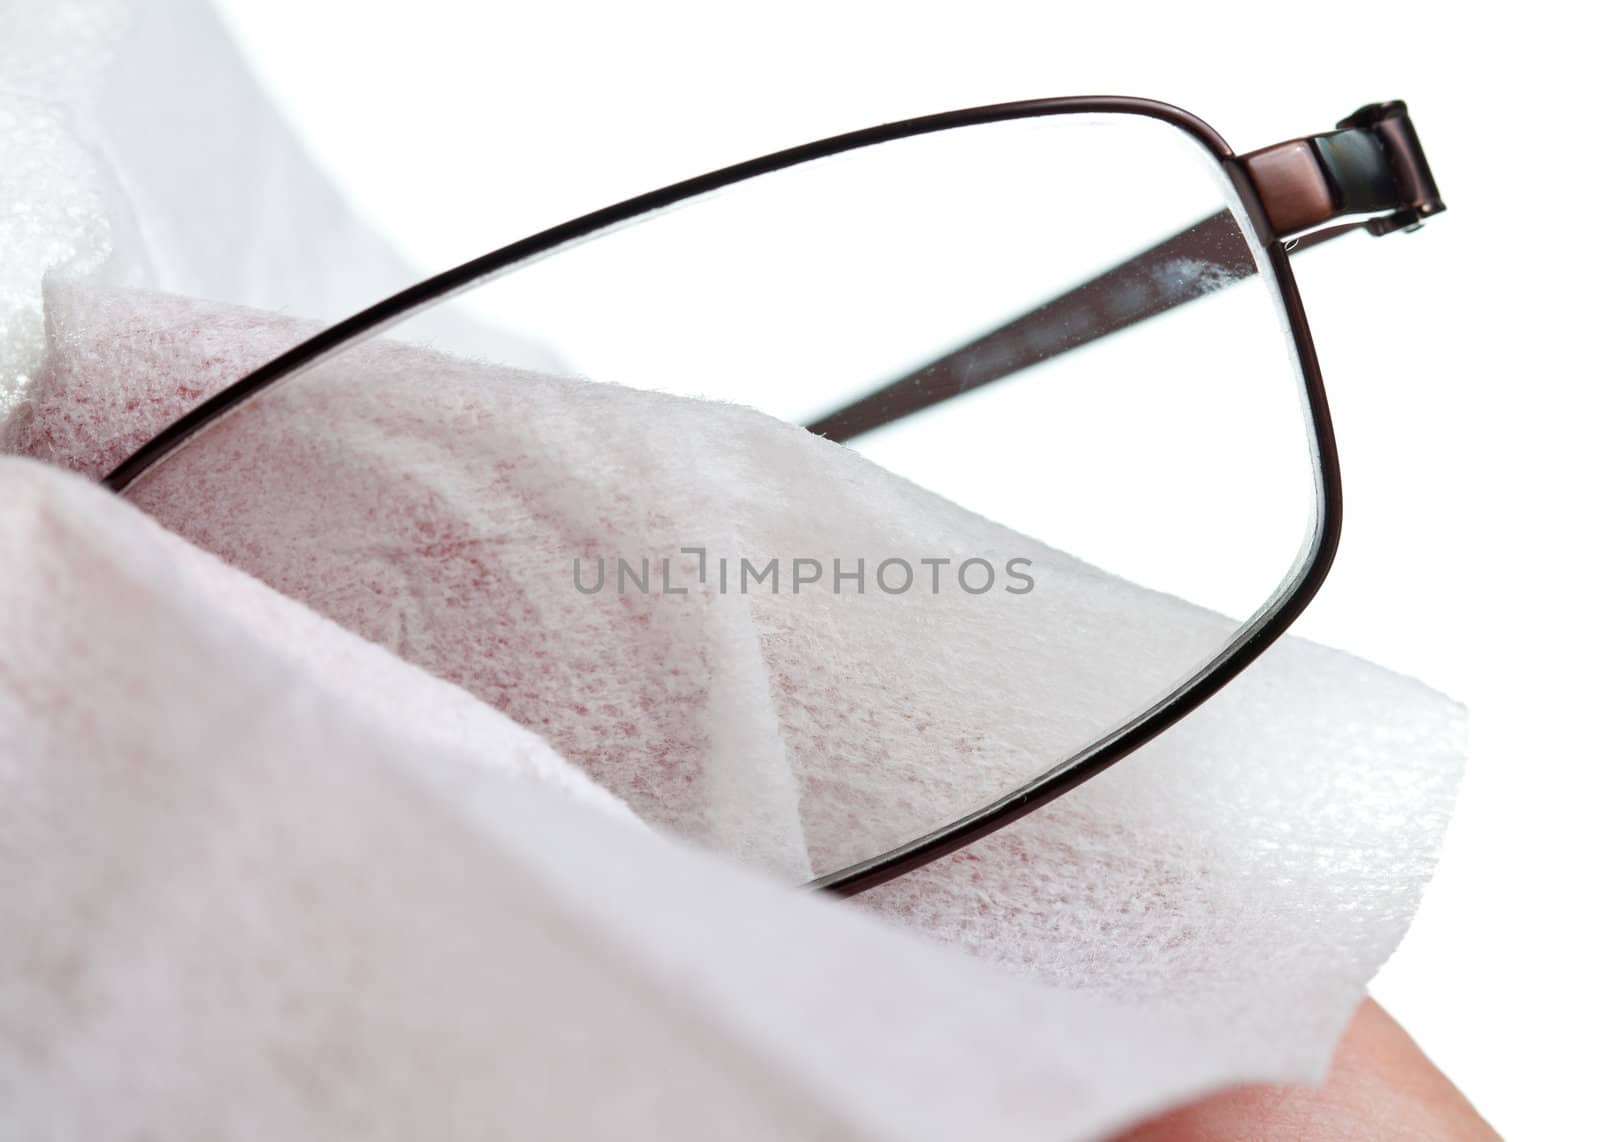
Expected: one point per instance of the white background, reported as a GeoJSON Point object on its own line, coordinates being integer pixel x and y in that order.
{"type": "Point", "coordinates": [1458, 359]}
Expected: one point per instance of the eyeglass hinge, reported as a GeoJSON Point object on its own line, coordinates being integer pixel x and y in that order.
{"type": "Point", "coordinates": [1373, 164]}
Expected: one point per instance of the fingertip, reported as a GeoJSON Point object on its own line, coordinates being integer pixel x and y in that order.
{"type": "Point", "coordinates": [1381, 1085]}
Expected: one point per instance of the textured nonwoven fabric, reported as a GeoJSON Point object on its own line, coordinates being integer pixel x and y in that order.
{"type": "Point", "coordinates": [139, 148]}
{"type": "Point", "coordinates": [264, 880]}
{"type": "Point", "coordinates": [1251, 869]}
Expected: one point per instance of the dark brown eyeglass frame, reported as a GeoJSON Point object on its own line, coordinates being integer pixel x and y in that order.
{"type": "Point", "coordinates": [1372, 165]}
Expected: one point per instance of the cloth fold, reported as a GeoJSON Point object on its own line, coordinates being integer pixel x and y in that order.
{"type": "Point", "coordinates": [252, 907]}
{"type": "Point", "coordinates": [1250, 869]}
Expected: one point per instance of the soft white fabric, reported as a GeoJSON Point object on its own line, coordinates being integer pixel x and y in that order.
{"type": "Point", "coordinates": [241, 903]}
{"type": "Point", "coordinates": [1241, 879]}
{"type": "Point", "coordinates": [436, 506]}
{"type": "Point", "coordinates": [272, 881]}
{"type": "Point", "coordinates": [137, 145]}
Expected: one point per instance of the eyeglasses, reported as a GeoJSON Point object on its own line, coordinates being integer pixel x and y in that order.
{"type": "Point", "coordinates": [1066, 325]}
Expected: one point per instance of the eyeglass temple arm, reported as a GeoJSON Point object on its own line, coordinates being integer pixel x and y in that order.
{"type": "Point", "coordinates": [1372, 164]}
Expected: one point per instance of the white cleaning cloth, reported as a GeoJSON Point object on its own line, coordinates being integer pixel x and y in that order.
{"type": "Point", "coordinates": [1243, 877]}
{"type": "Point", "coordinates": [1208, 911]}
{"type": "Point", "coordinates": [264, 880]}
